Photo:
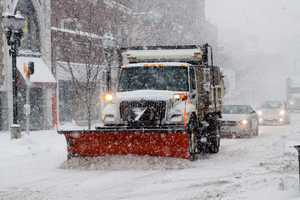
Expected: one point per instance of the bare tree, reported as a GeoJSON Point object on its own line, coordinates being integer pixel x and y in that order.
{"type": "Point", "coordinates": [79, 52]}
{"type": "Point", "coordinates": [166, 22]}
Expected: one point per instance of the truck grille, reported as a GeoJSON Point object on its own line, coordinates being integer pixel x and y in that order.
{"type": "Point", "coordinates": [147, 112]}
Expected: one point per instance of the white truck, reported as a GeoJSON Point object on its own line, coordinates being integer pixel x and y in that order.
{"type": "Point", "coordinates": [166, 88]}
{"type": "Point", "coordinates": [168, 103]}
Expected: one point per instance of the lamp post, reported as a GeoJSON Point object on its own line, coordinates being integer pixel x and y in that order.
{"type": "Point", "coordinates": [109, 44]}
{"type": "Point", "coordinates": [13, 25]}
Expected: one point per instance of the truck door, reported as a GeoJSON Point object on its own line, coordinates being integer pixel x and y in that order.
{"type": "Point", "coordinates": [192, 85]}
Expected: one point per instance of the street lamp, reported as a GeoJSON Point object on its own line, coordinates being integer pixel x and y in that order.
{"type": "Point", "coordinates": [13, 25]}
{"type": "Point", "coordinates": [109, 44]}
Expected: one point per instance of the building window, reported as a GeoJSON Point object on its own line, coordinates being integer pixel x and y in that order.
{"type": "Point", "coordinates": [31, 38]}
{"type": "Point", "coordinates": [70, 24]}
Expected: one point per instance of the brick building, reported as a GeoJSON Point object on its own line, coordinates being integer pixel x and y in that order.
{"type": "Point", "coordinates": [36, 47]}
{"type": "Point", "coordinates": [65, 39]}
{"type": "Point", "coordinates": [3, 102]}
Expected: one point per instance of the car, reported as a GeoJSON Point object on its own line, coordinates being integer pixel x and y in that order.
{"type": "Point", "coordinates": [273, 113]}
{"type": "Point", "coordinates": [239, 121]}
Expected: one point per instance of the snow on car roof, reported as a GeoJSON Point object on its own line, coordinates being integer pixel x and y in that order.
{"type": "Point", "coordinates": [158, 64]}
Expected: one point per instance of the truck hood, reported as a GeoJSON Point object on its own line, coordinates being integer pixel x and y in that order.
{"type": "Point", "coordinates": [156, 95]}
{"type": "Point", "coordinates": [234, 117]}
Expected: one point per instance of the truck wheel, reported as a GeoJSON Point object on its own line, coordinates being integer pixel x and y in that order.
{"type": "Point", "coordinates": [70, 156]}
{"type": "Point", "coordinates": [215, 142]}
{"type": "Point", "coordinates": [193, 131]}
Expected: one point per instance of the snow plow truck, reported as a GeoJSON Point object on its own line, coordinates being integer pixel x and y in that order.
{"type": "Point", "coordinates": [167, 103]}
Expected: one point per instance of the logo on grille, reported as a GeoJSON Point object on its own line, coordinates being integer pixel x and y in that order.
{"type": "Point", "coordinates": [138, 112]}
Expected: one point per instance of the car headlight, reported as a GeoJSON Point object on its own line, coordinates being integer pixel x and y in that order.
{"type": "Point", "coordinates": [244, 122]}
{"type": "Point", "coordinates": [282, 112]}
{"type": "Point", "coordinates": [260, 113]}
{"type": "Point", "coordinates": [291, 102]}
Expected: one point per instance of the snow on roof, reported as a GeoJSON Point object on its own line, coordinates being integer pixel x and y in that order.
{"type": "Point", "coordinates": [80, 33]}
{"type": "Point", "coordinates": [42, 73]}
{"type": "Point", "coordinates": [169, 64]}
{"type": "Point", "coordinates": [164, 55]}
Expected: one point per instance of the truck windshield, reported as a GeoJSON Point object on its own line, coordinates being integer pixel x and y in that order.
{"type": "Point", "coordinates": [173, 78]}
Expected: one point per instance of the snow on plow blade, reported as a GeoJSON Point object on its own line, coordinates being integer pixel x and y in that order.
{"type": "Point", "coordinates": [102, 142]}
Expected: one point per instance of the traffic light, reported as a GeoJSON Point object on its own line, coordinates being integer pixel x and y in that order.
{"type": "Point", "coordinates": [28, 69]}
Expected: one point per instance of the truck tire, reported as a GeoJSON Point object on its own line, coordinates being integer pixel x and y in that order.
{"type": "Point", "coordinates": [193, 131]}
{"type": "Point", "coordinates": [215, 141]}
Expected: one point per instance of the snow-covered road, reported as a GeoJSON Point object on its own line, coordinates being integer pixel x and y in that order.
{"type": "Point", "coordinates": [265, 167]}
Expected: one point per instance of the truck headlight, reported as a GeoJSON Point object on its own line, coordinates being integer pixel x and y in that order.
{"type": "Point", "coordinates": [260, 113]}
{"type": "Point", "coordinates": [244, 122]}
{"type": "Point", "coordinates": [108, 98]}
{"type": "Point", "coordinates": [282, 112]}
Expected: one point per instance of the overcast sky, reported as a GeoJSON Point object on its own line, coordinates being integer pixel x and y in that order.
{"type": "Point", "coordinates": [267, 23]}
{"type": "Point", "coordinates": [268, 28]}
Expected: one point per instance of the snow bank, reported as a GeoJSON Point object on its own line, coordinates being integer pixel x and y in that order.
{"type": "Point", "coordinates": [126, 163]}
{"type": "Point", "coordinates": [264, 167]}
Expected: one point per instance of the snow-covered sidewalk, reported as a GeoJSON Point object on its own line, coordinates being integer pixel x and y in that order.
{"type": "Point", "coordinates": [265, 167]}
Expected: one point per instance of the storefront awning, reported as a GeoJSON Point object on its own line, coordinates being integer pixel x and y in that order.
{"type": "Point", "coordinates": [42, 73]}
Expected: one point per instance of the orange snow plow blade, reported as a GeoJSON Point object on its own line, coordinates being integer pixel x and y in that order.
{"type": "Point", "coordinates": [102, 142]}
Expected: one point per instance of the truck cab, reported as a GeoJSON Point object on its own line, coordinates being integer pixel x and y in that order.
{"type": "Point", "coordinates": [163, 87]}
{"type": "Point", "coordinates": [168, 102]}
{"type": "Point", "coordinates": [151, 94]}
